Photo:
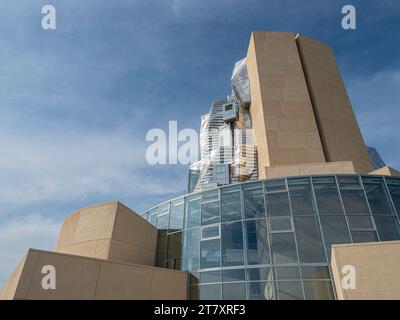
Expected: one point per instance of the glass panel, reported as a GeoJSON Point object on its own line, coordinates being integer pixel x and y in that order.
{"type": "Point", "coordinates": [278, 204]}
{"type": "Point", "coordinates": [193, 211]}
{"type": "Point", "coordinates": [257, 274]}
{"type": "Point", "coordinates": [387, 227]}
{"type": "Point", "coordinates": [162, 222]}
{"type": "Point", "coordinates": [153, 216]}
{"type": "Point", "coordinates": [377, 196]}
{"type": "Point", "coordinates": [300, 196]}
{"type": "Point", "coordinates": [234, 291]}
{"type": "Point", "coordinates": [210, 254]}
{"type": "Point", "coordinates": [275, 185]}
{"type": "Point", "coordinates": [233, 275]}
{"type": "Point", "coordinates": [253, 196]}
{"type": "Point", "coordinates": [191, 250]}
{"type": "Point", "coordinates": [210, 232]}
{"type": "Point", "coordinates": [174, 251]}
{"type": "Point", "coordinates": [212, 195]}
{"type": "Point", "coordinates": [327, 196]}
{"type": "Point", "coordinates": [210, 276]}
{"type": "Point", "coordinates": [232, 244]}
{"type": "Point", "coordinates": [360, 222]}
{"type": "Point", "coordinates": [257, 242]}
{"type": "Point", "coordinates": [364, 236]}
{"type": "Point", "coordinates": [354, 201]}
{"type": "Point", "coordinates": [230, 203]}
{"type": "Point", "coordinates": [308, 239]}
{"type": "Point", "coordinates": [280, 224]}
{"type": "Point", "coordinates": [318, 290]}
{"type": "Point", "coordinates": [161, 255]}
{"type": "Point", "coordinates": [349, 182]}
{"type": "Point", "coordinates": [287, 273]}
{"type": "Point", "coordinates": [394, 189]}
{"type": "Point", "coordinates": [145, 216]}
{"type": "Point", "coordinates": [260, 290]}
{"type": "Point", "coordinates": [283, 248]}
{"type": "Point", "coordinates": [289, 290]}
{"type": "Point", "coordinates": [210, 213]}
{"type": "Point", "coordinates": [335, 231]}
{"type": "Point", "coordinates": [176, 215]}
{"type": "Point", "coordinates": [315, 272]}
{"type": "Point", "coordinates": [210, 292]}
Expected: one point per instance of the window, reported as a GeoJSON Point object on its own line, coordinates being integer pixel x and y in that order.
{"type": "Point", "coordinates": [315, 272]}
{"type": "Point", "coordinates": [308, 238]}
{"type": "Point", "coordinates": [289, 290]}
{"type": "Point", "coordinates": [176, 216]}
{"type": "Point", "coordinates": [174, 251]}
{"type": "Point", "coordinates": [301, 196]}
{"type": "Point", "coordinates": [287, 273]}
{"type": "Point", "coordinates": [394, 189]}
{"type": "Point", "coordinates": [210, 253]}
{"type": "Point", "coordinates": [278, 204]}
{"type": "Point", "coordinates": [230, 204]}
{"type": "Point", "coordinates": [253, 197]}
{"type": "Point", "coordinates": [275, 185]}
{"type": "Point", "coordinates": [234, 291]}
{"type": "Point", "coordinates": [283, 248]}
{"type": "Point", "coordinates": [353, 195]}
{"type": "Point", "coordinates": [257, 242]}
{"type": "Point", "coordinates": [335, 231]}
{"type": "Point", "coordinates": [232, 244]}
{"type": "Point", "coordinates": [327, 196]}
{"type": "Point", "coordinates": [210, 208]}
{"type": "Point", "coordinates": [318, 290]}
{"type": "Point", "coordinates": [209, 292]}
{"type": "Point", "coordinates": [364, 236]}
{"type": "Point", "coordinates": [280, 224]}
{"type": "Point", "coordinates": [260, 290]}
{"type": "Point", "coordinates": [163, 216]}
{"type": "Point", "coordinates": [210, 276]}
{"type": "Point", "coordinates": [360, 222]}
{"type": "Point", "coordinates": [233, 275]}
{"type": "Point", "coordinates": [210, 232]}
{"type": "Point", "coordinates": [191, 250]}
{"type": "Point", "coordinates": [377, 196]}
{"type": "Point", "coordinates": [259, 274]}
{"type": "Point", "coordinates": [193, 211]}
{"type": "Point", "coordinates": [153, 216]}
{"type": "Point", "coordinates": [388, 228]}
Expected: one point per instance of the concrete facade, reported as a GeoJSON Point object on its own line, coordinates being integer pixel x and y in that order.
{"type": "Point", "coordinates": [109, 231]}
{"type": "Point", "coordinates": [86, 278]}
{"type": "Point", "coordinates": [377, 266]}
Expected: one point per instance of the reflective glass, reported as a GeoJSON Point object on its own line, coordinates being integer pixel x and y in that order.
{"type": "Point", "coordinates": [394, 189]}
{"type": "Point", "coordinates": [308, 238]}
{"type": "Point", "coordinates": [210, 213]}
{"type": "Point", "coordinates": [176, 215]}
{"type": "Point", "coordinates": [283, 248]}
{"type": "Point", "coordinates": [257, 242]}
{"type": "Point", "coordinates": [174, 251]}
{"type": "Point", "coordinates": [360, 222]}
{"type": "Point", "coordinates": [260, 290]}
{"type": "Point", "coordinates": [277, 204]}
{"type": "Point", "coordinates": [210, 254]}
{"type": "Point", "coordinates": [387, 227]}
{"type": "Point", "coordinates": [153, 216]}
{"type": "Point", "coordinates": [280, 224]}
{"type": "Point", "coordinates": [233, 275]}
{"type": "Point", "coordinates": [253, 198]}
{"type": "Point", "coordinates": [232, 244]}
{"type": "Point", "coordinates": [191, 250]}
{"type": "Point", "coordinates": [377, 196]}
{"type": "Point", "coordinates": [354, 201]}
{"type": "Point", "coordinates": [193, 211]}
{"type": "Point", "coordinates": [318, 290]}
{"type": "Point", "coordinates": [300, 196]}
{"type": "Point", "coordinates": [327, 196]}
{"type": "Point", "coordinates": [210, 232]}
{"type": "Point", "coordinates": [364, 236]}
{"type": "Point", "coordinates": [234, 291]}
{"type": "Point", "coordinates": [210, 276]}
{"type": "Point", "coordinates": [230, 204]}
{"type": "Point", "coordinates": [289, 290]}
{"type": "Point", "coordinates": [209, 292]}
{"type": "Point", "coordinates": [275, 185]}
{"type": "Point", "coordinates": [315, 272]}
{"type": "Point", "coordinates": [335, 231]}
{"type": "Point", "coordinates": [287, 273]}
{"type": "Point", "coordinates": [259, 274]}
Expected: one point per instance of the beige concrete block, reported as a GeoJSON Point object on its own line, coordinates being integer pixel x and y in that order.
{"type": "Point", "coordinates": [168, 285]}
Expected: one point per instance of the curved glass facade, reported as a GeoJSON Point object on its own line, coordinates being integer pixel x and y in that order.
{"type": "Point", "coordinates": [271, 239]}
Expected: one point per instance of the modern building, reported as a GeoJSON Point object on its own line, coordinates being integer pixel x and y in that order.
{"type": "Point", "coordinates": [282, 201]}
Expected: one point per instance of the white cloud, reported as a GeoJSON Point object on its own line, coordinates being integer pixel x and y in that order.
{"type": "Point", "coordinates": [19, 234]}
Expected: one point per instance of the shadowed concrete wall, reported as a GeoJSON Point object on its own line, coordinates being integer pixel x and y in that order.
{"type": "Point", "coordinates": [377, 266]}
{"type": "Point", "coordinates": [109, 231]}
{"type": "Point", "coordinates": [283, 120]}
{"type": "Point", "coordinates": [89, 278]}
{"type": "Point", "coordinates": [339, 131]}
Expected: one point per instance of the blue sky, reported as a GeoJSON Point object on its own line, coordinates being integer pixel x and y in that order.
{"type": "Point", "coordinates": [76, 103]}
